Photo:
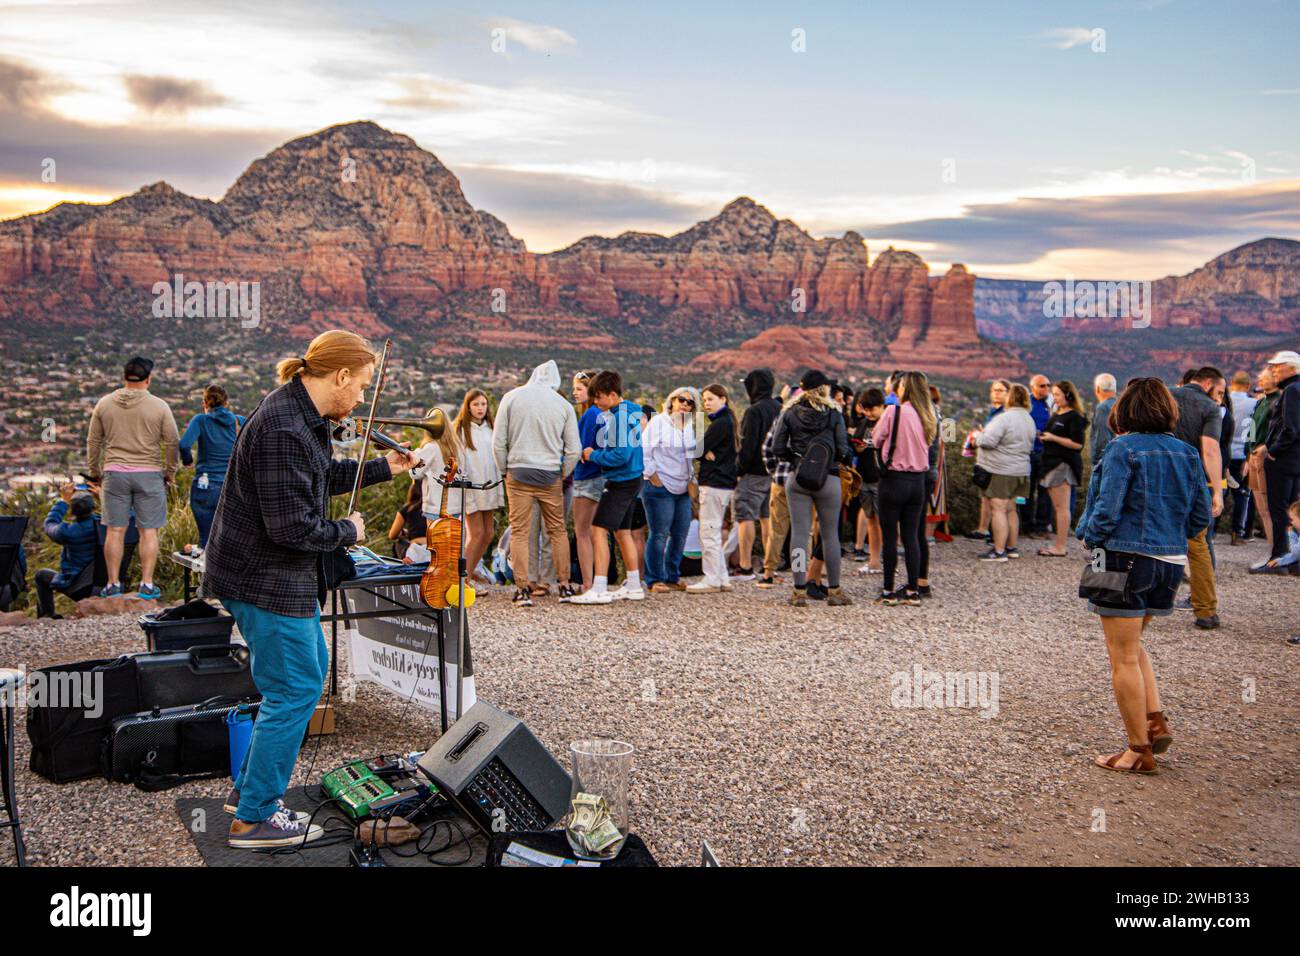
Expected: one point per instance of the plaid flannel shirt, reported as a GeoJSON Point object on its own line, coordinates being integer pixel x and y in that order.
{"type": "Point", "coordinates": [778, 468]}
{"type": "Point", "coordinates": [271, 529]}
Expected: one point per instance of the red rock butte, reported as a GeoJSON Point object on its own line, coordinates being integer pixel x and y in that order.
{"type": "Point", "coordinates": [358, 227]}
{"type": "Point", "coordinates": [1254, 287]}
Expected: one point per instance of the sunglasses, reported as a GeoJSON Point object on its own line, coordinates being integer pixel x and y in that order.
{"type": "Point", "coordinates": [689, 403]}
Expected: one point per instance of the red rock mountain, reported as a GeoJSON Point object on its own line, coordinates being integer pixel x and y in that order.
{"type": "Point", "coordinates": [1255, 286]}
{"type": "Point", "coordinates": [359, 227]}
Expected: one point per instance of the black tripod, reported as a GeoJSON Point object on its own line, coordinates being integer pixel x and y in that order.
{"type": "Point", "coordinates": [464, 484]}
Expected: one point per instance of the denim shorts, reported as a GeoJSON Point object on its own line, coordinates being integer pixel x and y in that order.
{"type": "Point", "coordinates": [589, 488]}
{"type": "Point", "coordinates": [1151, 587]}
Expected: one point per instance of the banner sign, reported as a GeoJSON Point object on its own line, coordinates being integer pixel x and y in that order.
{"type": "Point", "coordinates": [401, 653]}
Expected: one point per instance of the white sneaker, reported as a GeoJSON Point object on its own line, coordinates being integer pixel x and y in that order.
{"type": "Point", "coordinates": [592, 597]}
{"type": "Point", "coordinates": [702, 587]}
{"type": "Point", "coordinates": [743, 577]}
{"type": "Point", "coordinates": [629, 594]}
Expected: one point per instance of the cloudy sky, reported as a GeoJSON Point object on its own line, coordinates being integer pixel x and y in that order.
{"type": "Point", "coordinates": [1120, 139]}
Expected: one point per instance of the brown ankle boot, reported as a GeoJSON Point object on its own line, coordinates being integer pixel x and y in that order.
{"type": "Point", "coordinates": [837, 598]}
{"type": "Point", "coordinates": [1158, 731]}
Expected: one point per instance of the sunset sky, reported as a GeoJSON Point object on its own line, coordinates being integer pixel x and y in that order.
{"type": "Point", "coordinates": [1124, 139]}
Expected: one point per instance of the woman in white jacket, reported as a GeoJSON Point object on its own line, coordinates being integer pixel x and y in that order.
{"type": "Point", "coordinates": [1004, 449]}
{"type": "Point", "coordinates": [473, 428]}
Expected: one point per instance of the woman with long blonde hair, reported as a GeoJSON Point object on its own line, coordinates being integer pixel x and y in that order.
{"type": "Point", "coordinates": [473, 427]}
{"type": "Point", "coordinates": [902, 437]}
{"type": "Point", "coordinates": [434, 454]}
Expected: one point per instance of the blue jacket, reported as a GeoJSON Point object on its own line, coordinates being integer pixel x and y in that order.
{"type": "Point", "coordinates": [1040, 413]}
{"type": "Point", "coordinates": [78, 538]}
{"type": "Point", "coordinates": [1147, 495]}
{"type": "Point", "coordinates": [588, 427]}
{"type": "Point", "coordinates": [618, 443]}
{"type": "Point", "coordinates": [215, 433]}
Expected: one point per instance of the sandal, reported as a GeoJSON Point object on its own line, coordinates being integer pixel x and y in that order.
{"type": "Point", "coordinates": [540, 590]}
{"type": "Point", "coordinates": [1158, 731]}
{"type": "Point", "coordinates": [1145, 763]}
{"type": "Point", "coordinates": [1046, 553]}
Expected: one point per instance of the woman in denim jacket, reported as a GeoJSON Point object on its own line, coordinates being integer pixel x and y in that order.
{"type": "Point", "coordinates": [1147, 497]}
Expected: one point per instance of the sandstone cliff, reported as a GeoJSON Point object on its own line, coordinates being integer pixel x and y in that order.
{"type": "Point", "coordinates": [359, 227]}
{"type": "Point", "coordinates": [1255, 286]}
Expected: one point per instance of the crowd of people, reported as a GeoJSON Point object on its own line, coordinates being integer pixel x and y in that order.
{"type": "Point", "coordinates": [799, 479]}
{"type": "Point", "coordinates": [807, 478]}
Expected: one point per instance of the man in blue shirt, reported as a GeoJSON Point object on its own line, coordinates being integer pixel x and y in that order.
{"type": "Point", "coordinates": [1036, 512]}
{"type": "Point", "coordinates": [78, 537]}
{"type": "Point", "coordinates": [618, 453]}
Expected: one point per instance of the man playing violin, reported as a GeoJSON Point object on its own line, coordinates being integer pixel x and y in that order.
{"type": "Point", "coordinates": [265, 561]}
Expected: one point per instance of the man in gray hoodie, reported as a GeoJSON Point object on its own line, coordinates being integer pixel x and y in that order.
{"type": "Point", "coordinates": [535, 443]}
{"type": "Point", "coordinates": [133, 444]}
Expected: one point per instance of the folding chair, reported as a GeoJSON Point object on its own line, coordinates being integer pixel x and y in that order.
{"type": "Point", "coordinates": [12, 529]}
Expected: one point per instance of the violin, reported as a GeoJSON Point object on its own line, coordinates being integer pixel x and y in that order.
{"type": "Point", "coordinates": [440, 584]}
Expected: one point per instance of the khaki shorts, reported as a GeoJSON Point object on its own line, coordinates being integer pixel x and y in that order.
{"type": "Point", "coordinates": [1006, 487]}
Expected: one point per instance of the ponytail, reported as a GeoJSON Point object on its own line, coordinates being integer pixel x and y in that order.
{"type": "Point", "coordinates": [328, 352]}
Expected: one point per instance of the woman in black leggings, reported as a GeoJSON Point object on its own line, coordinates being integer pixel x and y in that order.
{"type": "Point", "coordinates": [903, 436]}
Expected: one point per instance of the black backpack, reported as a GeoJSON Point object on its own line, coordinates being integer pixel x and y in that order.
{"type": "Point", "coordinates": [817, 461]}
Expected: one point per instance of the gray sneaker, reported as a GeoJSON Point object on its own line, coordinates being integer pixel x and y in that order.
{"type": "Point", "coordinates": [232, 804]}
{"type": "Point", "coordinates": [280, 829]}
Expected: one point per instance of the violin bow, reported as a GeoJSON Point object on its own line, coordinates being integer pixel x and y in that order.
{"type": "Point", "coordinates": [370, 422]}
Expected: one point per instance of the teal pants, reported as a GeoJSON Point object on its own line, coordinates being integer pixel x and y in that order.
{"type": "Point", "coordinates": [290, 664]}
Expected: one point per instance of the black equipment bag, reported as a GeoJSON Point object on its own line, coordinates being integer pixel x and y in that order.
{"type": "Point", "coordinates": [71, 708]}
{"type": "Point", "coordinates": [980, 477]}
{"type": "Point", "coordinates": [817, 462]}
{"type": "Point", "coordinates": [157, 749]}
{"type": "Point", "coordinates": [185, 626]}
{"type": "Point", "coordinates": [178, 678]}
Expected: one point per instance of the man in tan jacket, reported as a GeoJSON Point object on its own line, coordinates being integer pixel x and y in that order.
{"type": "Point", "coordinates": [132, 450]}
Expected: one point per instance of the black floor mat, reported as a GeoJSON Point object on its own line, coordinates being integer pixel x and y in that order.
{"type": "Point", "coordinates": [210, 837]}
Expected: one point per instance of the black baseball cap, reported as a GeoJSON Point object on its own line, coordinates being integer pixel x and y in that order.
{"type": "Point", "coordinates": [813, 379]}
{"type": "Point", "coordinates": [138, 369]}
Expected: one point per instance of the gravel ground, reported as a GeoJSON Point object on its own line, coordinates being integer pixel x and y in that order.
{"type": "Point", "coordinates": [771, 731]}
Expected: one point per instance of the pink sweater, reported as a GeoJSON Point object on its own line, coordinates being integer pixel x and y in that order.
{"type": "Point", "coordinates": [912, 452]}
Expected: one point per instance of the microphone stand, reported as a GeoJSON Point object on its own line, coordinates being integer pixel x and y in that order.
{"type": "Point", "coordinates": [464, 484]}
